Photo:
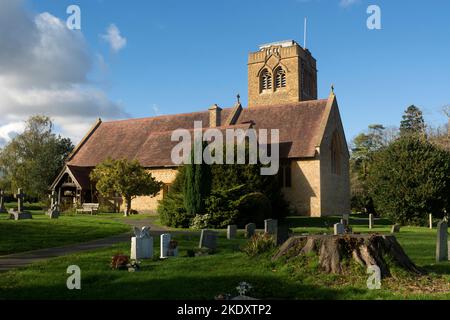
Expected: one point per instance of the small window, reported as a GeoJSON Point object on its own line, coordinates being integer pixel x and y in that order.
{"type": "Point", "coordinates": [280, 81]}
{"type": "Point", "coordinates": [266, 80]}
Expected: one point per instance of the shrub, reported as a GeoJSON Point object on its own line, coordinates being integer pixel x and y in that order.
{"type": "Point", "coordinates": [201, 221]}
{"type": "Point", "coordinates": [259, 243]}
{"type": "Point", "coordinates": [253, 207]}
{"type": "Point", "coordinates": [410, 179]}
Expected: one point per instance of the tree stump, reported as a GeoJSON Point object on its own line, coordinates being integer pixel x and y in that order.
{"type": "Point", "coordinates": [366, 250]}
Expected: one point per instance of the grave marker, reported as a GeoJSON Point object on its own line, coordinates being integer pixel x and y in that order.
{"type": "Point", "coordinates": [141, 244]}
{"type": "Point", "coordinates": [165, 243]}
{"type": "Point", "coordinates": [231, 232]}
{"type": "Point", "coordinates": [442, 242]}
{"type": "Point", "coordinates": [208, 239]}
{"type": "Point", "coordinates": [250, 230]}
{"type": "Point", "coordinates": [339, 229]}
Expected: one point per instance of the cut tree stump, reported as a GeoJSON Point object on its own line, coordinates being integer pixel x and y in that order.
{"type": "Point", "coordinates": [366, 250]}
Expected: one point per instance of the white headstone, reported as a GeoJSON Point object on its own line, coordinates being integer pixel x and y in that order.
{"type": "Point", "coordinates": [165, 242]}
{"type": "Point", "coordinates": [339, 229]}
{"type": "Point", "coordinates": [442, 242]}
{"type": "Point", "coordinates": [271, 226]}
{"type": "Point", "coordinates": [141, 248]}
{"type": "Point", "coordinates": [371, 221]}
{"type": "Point", "coordinates": [231, 232]}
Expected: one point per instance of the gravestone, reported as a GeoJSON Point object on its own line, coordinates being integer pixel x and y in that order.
{"type": "Point", "coordinates": [395, 228]}
{"type": "Point", "coordinates": [283, 234]}
{"type": "Point", "coordinates": [250, 230]}
{"type": "Point", "coordinates": [339, 229]}
{"type": "Point", "coordinates": [53, 212]}
{"type": "Point", "coordinates": [208, 239]}
{"type": "Point", "coordinates": [20, 214]}
{"type": "Point", "coordinates": [141, 244]}
{"type": "Point", "coordinates": [2, 202]}
{"type": "Point", "coordinates": [442, 242]}
{"type": "Point", "coordinates": [165, 243]}
{"type": "Point", "coordinates": [271, 226]}
{"type": "Point", "coordinates": [346, 218]}
{"type": "Point", "coordinates": [231, 231]}
{"type": "Point", "coordinates": [430, 221]}
{"type": "Point", "coordinates": [173, 249]}
{"type": "Point", "coordinates": [371, 221]}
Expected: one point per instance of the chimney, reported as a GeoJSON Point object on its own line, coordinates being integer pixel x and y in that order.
{"type": "Point", "coordinates": [215, 116]}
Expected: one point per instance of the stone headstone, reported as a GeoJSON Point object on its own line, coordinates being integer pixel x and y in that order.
{"type": "Point", "coordinates": [283, 234]}
{"type": "Point", "coordinates": [53, 212]}
{"type": "Point", "coordinates": [371, 221]}
{"type": "Point", "coordinates": [395, 228]}
{"type": "Point", "coordinates": [141, 244]}
{"type": "Point", "coordinates": [231, 232]}
{"type": "Point", "coordinates": [208, 239]}
{"type": "Point", "coordinates": [442, 242]}
{"type": "Point", "coordinates": [339, 229]}
{"type": "Point", "coordinates": [271, 226]}
{"type": "Point", "coordinates": [430, 221]}
{"type": "Point", "coordinates": [2, 202]}
{"type": "Point", "coordinates": [173, 249]}
{"type": "Point", "coordinates": [165, 243]}
{"type": "Point", "coordinates": [20, 214]}
{"type": "Point", "coordinates": [250, 230]}
{"type": "Point", "coordinates": [346, 218]}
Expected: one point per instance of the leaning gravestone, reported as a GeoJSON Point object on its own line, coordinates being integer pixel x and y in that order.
{"type": "Point", "coordinates": [165, 244]}
{"type": "Point", "coordinates": [339, 228]}
{"type": "Point", "coordinates": [208, 239]}
{"type": "Point", "coordinates": [271, 226]}
{"type": "Point", "coordinates": [346, 218]}
{"type": "Point", "coordinates": [53, 212]}
{"type": "Point", "coordinates": [250, 230]}
{"type": "Point", "coordinates": [442, 242]}
{"type": "Point", "coordinates": [20, 214]}
{"type": "Point", "coordinates": [395, 228]}
{"type": "Point", "coordinates": [371, 221]}
{"type": "Point", "coordinates": [231, 231]}
{"type": "Point", "coordinates": [2, 202]}
{"type": "Point", "coordinates": [141, 244]}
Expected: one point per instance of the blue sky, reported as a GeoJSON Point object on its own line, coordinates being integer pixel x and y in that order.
{"type": "Point", "coordinates": [183, 56]}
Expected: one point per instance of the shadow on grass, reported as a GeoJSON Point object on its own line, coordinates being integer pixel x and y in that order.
{"type": "Point", "coordinates": [323, 222]}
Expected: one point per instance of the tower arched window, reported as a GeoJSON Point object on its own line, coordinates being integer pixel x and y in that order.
{"type": "Point", "coordinates": [280, 78]}
{"type": "Point", "coordinates": [266, 80]}
{"type": "Point", "coordinates": [335, 154]}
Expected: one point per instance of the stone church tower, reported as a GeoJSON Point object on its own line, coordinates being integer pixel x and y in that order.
{"type": "Point", "coordinates": [281, 73]}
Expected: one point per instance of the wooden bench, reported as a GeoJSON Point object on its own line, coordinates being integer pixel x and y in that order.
{"type": "Point", "coordinates": [91, 208]}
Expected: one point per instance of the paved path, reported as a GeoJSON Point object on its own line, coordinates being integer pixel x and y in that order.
{"type": "Point", "coordinates": [22, 259]}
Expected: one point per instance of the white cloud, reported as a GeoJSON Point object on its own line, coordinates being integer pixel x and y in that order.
{"type": "Point", "coordinates": [347, 3]}
{"type": "Point", "coordinates": [44, 68]}
{"type": "Point", "coordinates": [114, 38]}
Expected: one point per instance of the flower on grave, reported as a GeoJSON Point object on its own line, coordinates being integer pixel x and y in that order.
{"type": "Point", "coordinates": [243, 288]}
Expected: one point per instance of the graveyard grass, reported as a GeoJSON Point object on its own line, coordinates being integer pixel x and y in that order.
{"type": "Point", "coordinates": [43, 232]}
{"type": "Point", "coordinates": [207, 276]}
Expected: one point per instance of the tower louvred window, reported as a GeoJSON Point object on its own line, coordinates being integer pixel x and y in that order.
{"type": "Point", "coordinates": [266, 80]}
{"type": "Point", "coordinates": [280, 78]}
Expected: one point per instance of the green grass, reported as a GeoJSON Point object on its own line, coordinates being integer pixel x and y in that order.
{"type": "Point", "coordinates": [207, 276]}
{"type": "Point", "coordinates": [42, 232]}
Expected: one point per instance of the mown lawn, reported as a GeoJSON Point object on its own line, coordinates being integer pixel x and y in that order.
{"type": "Point", "coordinates": [207, 276]}
{"type": "Point", "coordinates": [42, 232]}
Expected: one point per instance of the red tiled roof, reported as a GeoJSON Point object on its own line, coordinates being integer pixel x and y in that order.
{"type": "Point", "coordinates": [149, 139]}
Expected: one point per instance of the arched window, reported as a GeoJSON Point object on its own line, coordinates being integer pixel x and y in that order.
{"type": "Point", "coordinates": [280, 78]}
{"type": "Point", "coordinates": [266, 80]}
{"type": "Point", "coordinates": [335, 154]}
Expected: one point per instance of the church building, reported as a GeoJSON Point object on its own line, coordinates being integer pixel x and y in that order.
{"type": "Point", "coordinates": [282, 94]}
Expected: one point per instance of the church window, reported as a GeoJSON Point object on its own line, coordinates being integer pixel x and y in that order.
{"type": "Point", "coordinates": [280, 81]}
{"type": "Point", "coordinates": [335, 154]}
{"type": "Point", "coordinates": [266, 80]}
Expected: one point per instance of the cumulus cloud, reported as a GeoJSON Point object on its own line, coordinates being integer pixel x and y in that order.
{"type": "Point", "coordinates": [114, 38]}
{"type": "Point", "coordinates": [44, 69]}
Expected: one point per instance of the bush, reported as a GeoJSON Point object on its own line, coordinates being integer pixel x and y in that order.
{"type": "Point", "coordinates": [259, 243]}
{"type": "Point", "coordinates": [253, 207]}
{"type": "Point", "coordinates": [410, 179]}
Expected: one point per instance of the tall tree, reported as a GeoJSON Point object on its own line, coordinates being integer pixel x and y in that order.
{"type": "Point", "coordinates": [413, 122]}
{"type": "Point", "coordinates": [32, 159]}
{"type": "Point", "coordinates": [197, 186]}
{"type": "Point", "coordinates": [126, 178]}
